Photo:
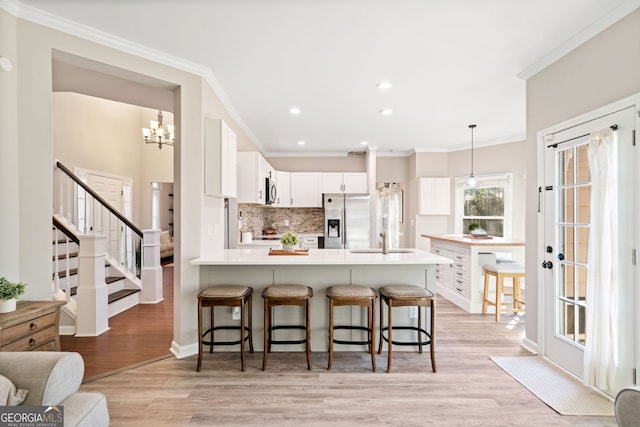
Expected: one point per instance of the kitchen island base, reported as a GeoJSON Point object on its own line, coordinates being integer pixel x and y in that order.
{"type": "Point", "coordinates": [322, 269]}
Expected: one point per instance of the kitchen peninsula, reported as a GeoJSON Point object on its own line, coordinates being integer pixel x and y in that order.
{"type": "Point", "coordinates": [463, 281]}
{"type": "Point", "coordinates": [319, 269]}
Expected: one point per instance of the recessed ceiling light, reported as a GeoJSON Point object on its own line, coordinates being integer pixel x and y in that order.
{"type": "Point", "coordinates": [364, 143]}
{"type": "Point", "coordinates": [301, 142]}
{"type": "Point", "coordinates": [384, 85]}
{"type": "Point", "coordinates": [386, 111]}
{"type": "Point", "coordinates": [294, 110]}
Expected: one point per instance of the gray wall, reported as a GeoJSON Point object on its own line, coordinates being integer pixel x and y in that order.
{"type": "Point", "coordinates": [602, 70]}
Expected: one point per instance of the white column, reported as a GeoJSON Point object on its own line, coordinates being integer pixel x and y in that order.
{"type": "Point", "coordinates": [92, 318]}
{"type": "Point", "coordinates": [151, 268]}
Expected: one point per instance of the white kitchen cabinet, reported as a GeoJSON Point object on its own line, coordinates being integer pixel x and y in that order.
{"type": "Point", "coordinates": [253, 169]}
{"type": "Point", "coordinates": [305, 190]}
{"type": "Point", "coordinates": [283, 184]}
{"type": "Point", "coordinates": [434, 195]}
{"type": "Point", "coordinates": [220, 159]}
{"type": "Point", "coordinates": [343, 182]}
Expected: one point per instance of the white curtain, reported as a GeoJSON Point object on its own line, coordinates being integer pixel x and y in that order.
{"type": "Point", "coordinates": [602, 328]}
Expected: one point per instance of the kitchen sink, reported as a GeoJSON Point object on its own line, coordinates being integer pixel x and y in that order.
{"type": "Point", "coordinates": [379, 251]}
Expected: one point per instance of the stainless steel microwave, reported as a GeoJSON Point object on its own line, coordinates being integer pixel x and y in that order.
{"type": "Point", "coordinates": [271, 192]}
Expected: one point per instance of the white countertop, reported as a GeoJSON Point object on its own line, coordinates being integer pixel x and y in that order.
{"type": "Point", "coordinates": [260, 256]}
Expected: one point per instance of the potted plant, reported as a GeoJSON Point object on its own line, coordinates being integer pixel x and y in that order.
{"type": "Point", "coordinates": [9, 292]}
{"type": "Point", "coordinates": [289, 241]}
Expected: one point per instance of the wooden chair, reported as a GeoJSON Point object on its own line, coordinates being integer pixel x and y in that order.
{"type": "Point", "coordinates": [352, 295]}
{"type": "Point", "coordinates": [513, 271]}
{"type": "Point", "coordinates": [228, 296]}
{"type": "Point", "coordinates": [275, 295]}
{"type": "Point", "coordinates": [405, 296]}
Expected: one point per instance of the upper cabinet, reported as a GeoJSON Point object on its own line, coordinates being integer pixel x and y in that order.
{"type": "Point", "coordinates": [305, 190]}
{"type": "Point", "coordinates": [219, 158]}
{"type": "Point", "coordinates": [434, 196]}
{"type": "Point", "coordinates": [283, 184]}
{"type": "Point", "coordinates": [347, 182]}
{"type": "Point", "coordinates": [253, 169]}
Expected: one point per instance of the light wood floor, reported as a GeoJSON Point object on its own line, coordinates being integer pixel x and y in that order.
{"type": "Point", "coordinates": [468, 389]}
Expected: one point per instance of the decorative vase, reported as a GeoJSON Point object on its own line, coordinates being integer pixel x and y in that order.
{"type": "Point", "coordinates": [8, 305]}
{"type": "Point", "coordinates": [289, 248]}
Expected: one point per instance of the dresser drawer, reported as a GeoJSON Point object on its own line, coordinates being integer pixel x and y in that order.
{"type": "Point", "coordinates": [32, 326]}
{"type": "Point", "coordinates": [33, 341]}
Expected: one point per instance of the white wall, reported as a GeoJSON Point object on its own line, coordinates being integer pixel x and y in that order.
{"type": "Point", "coordinates": [9, 187]}
{"type": "Point", "coordinates": [105, 136]}
{"type": "Point", "coordinates": [603, 70]}
{"type": "Point", "coordinates": [31, 114]}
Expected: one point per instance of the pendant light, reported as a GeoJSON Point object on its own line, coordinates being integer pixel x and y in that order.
{"type": "Point", "coordinates": [471, 182]}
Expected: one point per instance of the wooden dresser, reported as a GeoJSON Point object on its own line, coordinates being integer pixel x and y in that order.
{"type": "Point", "coordinates": [33, 326]}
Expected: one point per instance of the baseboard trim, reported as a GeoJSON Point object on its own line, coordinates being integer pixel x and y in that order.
{"type": "Point", "coordinates": [530, 345]}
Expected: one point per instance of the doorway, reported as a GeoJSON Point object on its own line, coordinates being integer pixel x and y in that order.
{"type": "Point", "coordinates": [572, 252]}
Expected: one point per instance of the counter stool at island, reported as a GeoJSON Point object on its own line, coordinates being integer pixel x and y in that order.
{"type": "Point", "coordinates": [500, 271]}
{"type": "Point", "coordinates": [407, 296]}
{"type": "Point", "coordinates": [229, 296]}
{"type": "Point", "coordinates": [352, 295]}
{"type": "Point", "coordinates": [296, 295]}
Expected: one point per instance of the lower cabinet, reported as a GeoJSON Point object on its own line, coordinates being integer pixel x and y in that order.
{"type": "Point", "coordinates": [32, 326]}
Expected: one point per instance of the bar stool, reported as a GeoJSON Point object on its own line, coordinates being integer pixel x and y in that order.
{"type": "Point", "coordinates": [228, 296]}
{"type": "Point", "coordinates": [297, 295]}
{"type": "Point", "coordinates": [405, 296]}
{"type": "Point", "coordinates": [501, 271]}
{"type": "Point", "coordinates": [353, 295]}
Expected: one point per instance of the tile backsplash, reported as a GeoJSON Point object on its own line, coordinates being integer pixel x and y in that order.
{"type": "Point", "coordinates": [301, 220]}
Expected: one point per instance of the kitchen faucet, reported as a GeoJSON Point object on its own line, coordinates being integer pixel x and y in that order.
{"type": "Point", "coordinates": [385, 247]}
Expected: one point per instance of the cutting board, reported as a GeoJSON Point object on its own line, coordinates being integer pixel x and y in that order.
{"type": "Point", "coordinates": [283, 252]}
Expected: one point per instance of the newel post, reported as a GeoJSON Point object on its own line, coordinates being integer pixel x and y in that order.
{"type": "Point", "coordinates": [151, 268]}
{"type": "Point", "coordinates": [92, 315]}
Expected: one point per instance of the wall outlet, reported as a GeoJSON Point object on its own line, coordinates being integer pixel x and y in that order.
{"type": "Point", "coordinates": [286, 222]}
{"type": "Point", "coordinates": [413, 312]}
{"type": "Point", "coordinates": [235, 313]}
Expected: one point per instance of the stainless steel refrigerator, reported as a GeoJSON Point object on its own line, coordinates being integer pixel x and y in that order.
{"type": "Point", "coordinates": [347, 221]}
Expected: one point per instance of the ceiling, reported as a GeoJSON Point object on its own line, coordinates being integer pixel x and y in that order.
{"type": "Point", "coordinates": [451, 63]}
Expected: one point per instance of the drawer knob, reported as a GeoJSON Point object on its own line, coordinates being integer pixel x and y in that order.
{"type": "Point", "coordinates": [33, 326]}
{"type": "Point", "coordinates": [32, 342]}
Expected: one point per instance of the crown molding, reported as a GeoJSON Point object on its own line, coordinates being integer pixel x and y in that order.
{"type": "Point", "coordinates": [613, 16]}
{"type": "Point", "coordinates": [11, 6]}
{"type": "Point", "coordinates": [85, 32]}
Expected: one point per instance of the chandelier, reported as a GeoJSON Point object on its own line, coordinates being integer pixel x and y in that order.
{"type": "Point", "coordinates": [157, 134]}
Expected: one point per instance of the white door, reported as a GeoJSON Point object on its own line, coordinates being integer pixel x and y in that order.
{"type": "Point", "coordinates": [567, 223]}
{"type": "Point", "coordinates": [110, 189]}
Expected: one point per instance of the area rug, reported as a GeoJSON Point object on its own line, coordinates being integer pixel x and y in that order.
{"type": "Point", "coordinates": [555, 387]}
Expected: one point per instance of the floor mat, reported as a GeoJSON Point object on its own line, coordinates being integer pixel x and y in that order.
{"type": "Point", "coordinates": [555, 387]}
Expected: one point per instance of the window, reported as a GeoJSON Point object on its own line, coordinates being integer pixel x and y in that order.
{"type": "Point", "coordinates": [488, 205]}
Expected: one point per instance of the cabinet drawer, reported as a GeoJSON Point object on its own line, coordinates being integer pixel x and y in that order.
{"type": "Point", "coordinates": [33, 341]}
{"type": "Point", "coordinates": [29, 327]}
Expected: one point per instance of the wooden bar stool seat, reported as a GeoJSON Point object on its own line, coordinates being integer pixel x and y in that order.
{"type": "Point", "coordinates": [352, 295]}
{"type": "Point", "coordinates": [501, 271]}
{"type": "Point", "coordinates": [296, 295]}
{"type": "Point", "coordinates": [407, 296]}
{"type": "Point", "coordinates": [229, 296]}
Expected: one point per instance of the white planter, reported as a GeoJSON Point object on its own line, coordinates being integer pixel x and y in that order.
{"type": "Point", "coordinates": [7, 306]}
{"type": "Point", "coordinates": [289, 248]}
